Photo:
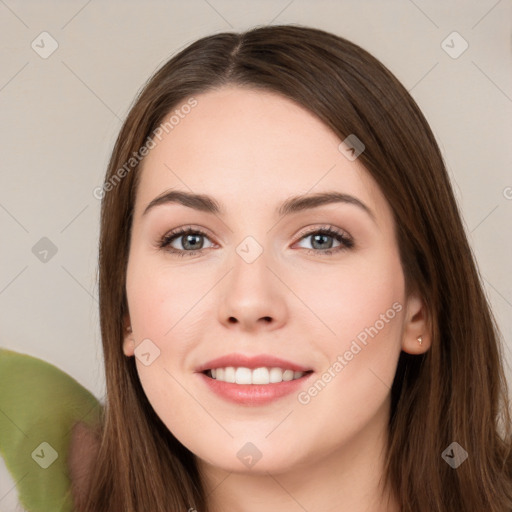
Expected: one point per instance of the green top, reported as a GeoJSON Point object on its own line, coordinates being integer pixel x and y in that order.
{"type": "Point", "coordinates": [39, 404]}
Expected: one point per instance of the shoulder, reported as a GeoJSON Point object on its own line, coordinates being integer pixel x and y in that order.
{"type": "Point", "coordinates": [45, 413]}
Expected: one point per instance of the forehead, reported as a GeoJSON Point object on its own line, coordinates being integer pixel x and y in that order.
{"type": "Point", "coordinates": [246, 146]}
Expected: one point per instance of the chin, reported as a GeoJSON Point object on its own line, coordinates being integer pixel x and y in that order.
{"type": "Point", "coordinates": [246, 457]}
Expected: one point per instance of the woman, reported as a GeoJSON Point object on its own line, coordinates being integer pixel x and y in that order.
{"type": "Point", "coordinates": [252, 371]}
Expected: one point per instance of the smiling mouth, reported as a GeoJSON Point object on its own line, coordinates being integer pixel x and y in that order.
{"type": "Point", "coordinates": [259, 376]}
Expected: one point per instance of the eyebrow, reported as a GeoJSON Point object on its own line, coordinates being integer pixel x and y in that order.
{"type": "Point", "coordinates": [208, 204]}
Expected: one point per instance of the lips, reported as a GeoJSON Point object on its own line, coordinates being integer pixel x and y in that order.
{"type": "Point", "coordinates": [252, 362]}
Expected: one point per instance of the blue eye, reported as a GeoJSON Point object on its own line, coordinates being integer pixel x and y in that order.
{"type": "Point", "coordinates": [192, 243]}
{"type": "Point", "coordinates": [319, 237]}
{"type": "Point", "coordinates": [190, 238]}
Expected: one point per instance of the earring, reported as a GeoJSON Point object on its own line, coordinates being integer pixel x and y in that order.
{"type": "Point", "coordinates": [420, 340]}
{"type": "Point", "coordinates": [129, 328]}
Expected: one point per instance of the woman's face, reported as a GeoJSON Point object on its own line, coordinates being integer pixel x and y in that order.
{"type": "Point", "coordinates": [258, 282]}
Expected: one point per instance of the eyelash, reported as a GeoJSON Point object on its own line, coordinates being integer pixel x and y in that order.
{"type": "Point", "coordinates": [346, 242]}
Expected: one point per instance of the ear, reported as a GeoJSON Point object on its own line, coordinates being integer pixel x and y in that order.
{"type": "Point", "coordinates": [416, 324]}
{"type": "Point", "coordinates": [129, 340]}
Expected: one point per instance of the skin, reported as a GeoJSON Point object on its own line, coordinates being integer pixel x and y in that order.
{"type": "Point", "coordinates": [251, 150]}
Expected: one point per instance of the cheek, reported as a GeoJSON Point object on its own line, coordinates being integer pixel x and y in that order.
{"type": "Point", "coordinates": [160, 296]}
{"type": "Point", "coordinates": [365, 309]}
{"type": "Point", "coordinates": [161, 306]}
{"type": "Point", "coordinates": [351, 296]}
{"type": "Point", "coordinates": [362, 304]}
{"type": "Point", "coordinates": [165, 307]}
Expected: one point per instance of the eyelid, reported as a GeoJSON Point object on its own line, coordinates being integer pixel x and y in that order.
{"type": "Point", "coordinates": [324, 227]}
{"type": "Point", "coordinates": [189, 227]}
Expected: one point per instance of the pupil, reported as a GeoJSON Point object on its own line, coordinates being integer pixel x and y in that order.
{"type": "Point", "coordinates": [187, 240]}
{"type": "Point", "coordinates": [321, 236]}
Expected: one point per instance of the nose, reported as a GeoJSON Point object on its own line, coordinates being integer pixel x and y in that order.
{"type": "Point", "coordinates": [252, 297]}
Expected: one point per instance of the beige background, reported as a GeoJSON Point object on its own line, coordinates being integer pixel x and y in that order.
{"type": "Point", "coordinates": [60, 116]}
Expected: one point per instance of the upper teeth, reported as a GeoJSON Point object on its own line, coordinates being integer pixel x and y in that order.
{"type": "Point", "coordinates": [243, 375]}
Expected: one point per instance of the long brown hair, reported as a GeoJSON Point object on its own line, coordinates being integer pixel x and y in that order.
{"type": "Point", "coordinates": [455, 392]}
